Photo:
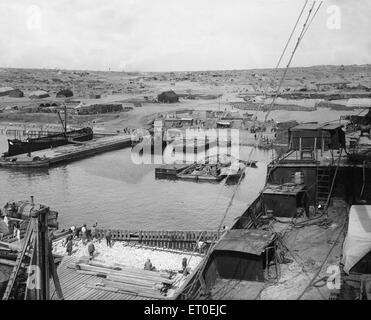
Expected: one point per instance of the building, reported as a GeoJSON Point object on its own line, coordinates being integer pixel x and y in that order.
{"type": "Point", "coordinates": [223, 124]}
{"type": "Point", "coordinates": [340, 85]}
{"type": "Point", "coordinates": [94, 96]}
{"type": "Point", "coordinates": [16, 93]}
{"type": "Point", "coordinates": [65, 93]}
{"type": "Point", "coordinates": [313, 136]}
{"type": "Point", "coordinates": [9, 91]}
{"type": "Point", "coordinates": [168, 97]}
{"type": "Point", "coordinates": [82, 109]}
{"type": "Point", "coordinates": [40, 94]}
{"type": "Point", "coordinates": [178, 122]}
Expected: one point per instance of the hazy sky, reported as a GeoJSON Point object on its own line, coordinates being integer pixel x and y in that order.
{"type": "Point", "coordinates": [163, 35]}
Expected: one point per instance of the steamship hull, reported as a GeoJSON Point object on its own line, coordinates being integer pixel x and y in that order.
{"type": "Point", "coordinates": [16, 146]}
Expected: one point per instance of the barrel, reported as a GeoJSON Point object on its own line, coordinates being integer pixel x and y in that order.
{"type": "Point", "coordinates": [299, 177]}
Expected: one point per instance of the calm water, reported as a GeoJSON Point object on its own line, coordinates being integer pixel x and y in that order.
{"type": "Point", "coordinates": [112, 189]}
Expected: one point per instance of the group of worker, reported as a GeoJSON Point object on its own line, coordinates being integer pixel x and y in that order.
{"type": "Point", "coordinates": [184, 270]}
{"type": "Point", "coordinates": [87, 236]}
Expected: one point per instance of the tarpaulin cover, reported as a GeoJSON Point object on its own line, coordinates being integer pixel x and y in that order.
{"type": "Point", "coordinates": [358, 239]}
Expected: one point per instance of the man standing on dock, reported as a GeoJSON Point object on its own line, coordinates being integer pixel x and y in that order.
{"type": "Point", "coordinates": [69, 246]}
{"type": "Point", "coordinates": [108, 238]}
{"type": "Point", "coordinates": [83, 234]}
{"type": "Point", "coordinates": [91, 250]}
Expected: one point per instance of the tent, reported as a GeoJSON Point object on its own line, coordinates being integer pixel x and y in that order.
{"type": "Point", "coordinates": [65, 93]}
{"type": "Point", "coordinates": [40, 94]}
{"type": "Point", "coordinates": [168, 97]}
{"type": "Point", "coordinates": [357, 243]}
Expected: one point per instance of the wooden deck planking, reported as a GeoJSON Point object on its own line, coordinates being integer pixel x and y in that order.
{"type": "Point", "coordinates": [74, 285]}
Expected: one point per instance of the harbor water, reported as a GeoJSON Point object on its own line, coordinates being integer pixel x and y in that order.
{"type": "Point", "coordinates": [111, 189]}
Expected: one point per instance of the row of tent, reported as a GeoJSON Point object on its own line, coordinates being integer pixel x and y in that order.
{"type": "Point", "coordinates": [39, 94]}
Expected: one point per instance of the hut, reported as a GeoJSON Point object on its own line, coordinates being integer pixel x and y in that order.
{"type": "Point", "coordinates": [168, 97]}
{"type": "Point", "coordinates": [223, 124]}
{"type": "Point", "coordinates": [312, 136]}
{"type": "Point", "coordinates": [82, 109]}
{"type": "Point", "coordinates": [16, 93]}
{"type": "Point", "coordinates": [65, 93]}
{"type": "Point", "coordinates": [40, 94]}
{"type": "Point", "coordinates": [5, 91]}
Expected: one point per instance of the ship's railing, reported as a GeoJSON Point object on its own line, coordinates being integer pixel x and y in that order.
{"type": "Point", "coordinates": [177, 240]}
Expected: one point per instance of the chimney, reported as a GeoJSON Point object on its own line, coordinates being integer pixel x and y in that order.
{"type": "Point", "coordinates": [32, 201]}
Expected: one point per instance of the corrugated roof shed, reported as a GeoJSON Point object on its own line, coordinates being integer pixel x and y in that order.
{"type": "Point", "coordinates": [316, 126]}
{"type": "Point", "coordinates": [247, 241]}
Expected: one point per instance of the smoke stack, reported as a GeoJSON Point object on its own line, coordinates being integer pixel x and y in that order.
{"type": "Point", "coordinates": [32, 201]}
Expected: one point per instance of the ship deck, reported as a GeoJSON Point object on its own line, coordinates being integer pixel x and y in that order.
{"type": "Point", "coordinates": [311, 252]}
{"type": "Point", "coordinates": [78, 286]}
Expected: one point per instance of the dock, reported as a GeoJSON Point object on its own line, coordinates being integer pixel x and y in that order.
{"type": "Point", "coordinates": [63, 154]}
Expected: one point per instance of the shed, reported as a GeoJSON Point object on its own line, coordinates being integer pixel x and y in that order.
{"type": "Point", "coordinates": [5, 91]}
{"type": "Point", "coordinates": [40, 94]}
{"type": "Point", "coordinates": [284, 200]}
{"type": "Point", "coordinates": [16, 93]}
{"type": "Point", "coordinates": [310, 136]}
{"type": "Point", "coordinates": [168, 97]}
{"type": "Point", "coordinates": [240, 254]}
{"type": "Point", "coordinates": [65, 93]}
{"type": "Point", "coordinates": [98, 108]}
{"type": "Point", "coordinates": [94, 96]}
{"type": "Point", "coordinates": [357, 243]}
{"type": "Point", "coordinates": [223, 124]}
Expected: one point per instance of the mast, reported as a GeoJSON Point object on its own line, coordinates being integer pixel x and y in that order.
{"type": "Point", "coordinates": [65, 119]}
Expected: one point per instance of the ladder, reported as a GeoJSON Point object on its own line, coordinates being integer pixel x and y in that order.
{"type": "Point", "coordinates": [323, 184]}
{"type": "Point", "coordinates": [18, 263]}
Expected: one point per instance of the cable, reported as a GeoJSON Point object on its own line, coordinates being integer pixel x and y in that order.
{"type": "Point", "coordinates": [200, 270]}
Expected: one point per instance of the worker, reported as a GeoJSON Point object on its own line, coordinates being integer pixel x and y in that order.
{"type": "Point", "coordinates": [6, 221]}
{"type": "Point", "coordinates": [91, 250]}
{"type": "Point", "coordinates": [184, 266]}
{"type": "Point", "coordinates": [108, 238]}
{"type": "Point", "coordinates": [69, 246]}
{"type": "Point", "coordinates": [93, 230]}
{"type": "Point", "coordinates": [148, 265]}
{"type": "Point", "coordinates": [73, 230]}
{"type": "Point", "coordinates": [15, 230]}
{"type": "Point", "coordinates": [83, 234]}
{"type": "Point", "coordinates": [18, 234]}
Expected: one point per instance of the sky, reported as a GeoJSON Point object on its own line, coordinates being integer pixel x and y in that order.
{"type": "Point", "coordinates": [178, 35]}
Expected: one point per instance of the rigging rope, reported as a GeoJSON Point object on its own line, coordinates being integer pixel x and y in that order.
{"type": "Point", "coordinates": [304, 29]}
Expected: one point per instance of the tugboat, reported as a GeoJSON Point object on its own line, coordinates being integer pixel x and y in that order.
{"type": "Point", "coordinates": [17, 146]}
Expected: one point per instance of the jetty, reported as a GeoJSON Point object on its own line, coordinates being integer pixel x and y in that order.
{"type": "Point", "coordinates": [67, 153]}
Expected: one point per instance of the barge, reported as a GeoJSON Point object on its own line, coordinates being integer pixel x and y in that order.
{"type": "Point", "coordinates": [293, 235]}
{"type": "Point", "coordinates": [67, 153]}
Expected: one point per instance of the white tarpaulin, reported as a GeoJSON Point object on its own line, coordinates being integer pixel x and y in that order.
{"type": "Point", "coordinates": [358, 239]}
